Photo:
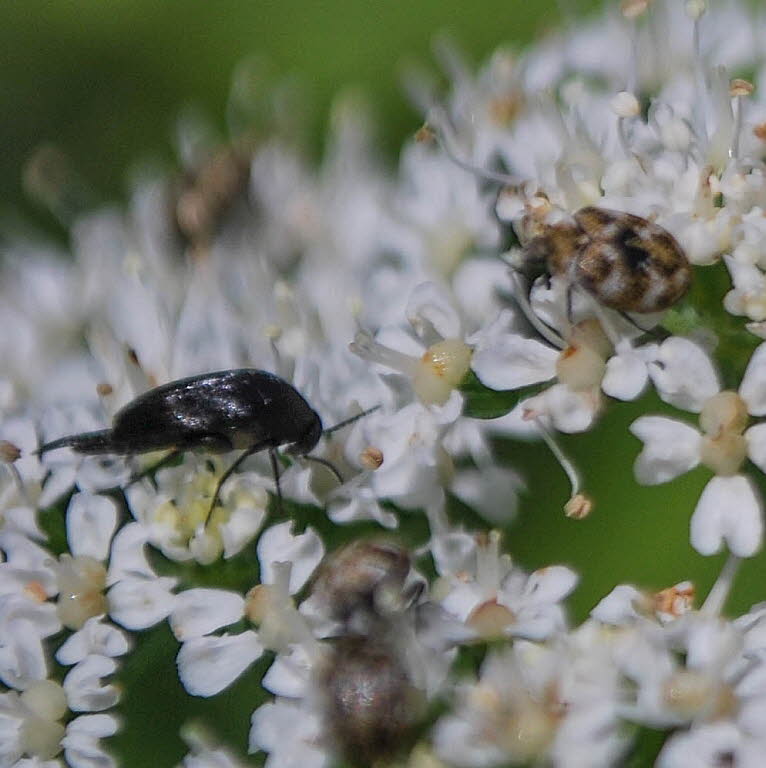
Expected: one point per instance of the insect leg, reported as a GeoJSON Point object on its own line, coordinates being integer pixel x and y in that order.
{"type": "Point", "coordinates": [164, 461]}
{"type": "Point", "coordinates": [211, 443]}
{"type": "Point", "coordinates": [651, 331]}
{"type": "Point", "coordinates": [275, 470]}
{"type": "Point", "coordinates": [228, 473]}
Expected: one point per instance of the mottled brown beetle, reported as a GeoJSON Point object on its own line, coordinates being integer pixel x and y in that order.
{"type": "Point", "coordinates": [626, 262]}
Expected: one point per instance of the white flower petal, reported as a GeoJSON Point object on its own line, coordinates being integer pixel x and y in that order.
{"type": "Point", "coordinates": [728, 511]}
{"type": "Point", "coordinates": [81, 745]}
{"type": "Point", "coordinates": [570, 411]}
{"type": "Point", "coordinates": [549, 585]}
{"type": "Point", "coordinates": [60, 481]}
{"type": "Point", "coordinates": [618, 607]}
{"type": "Point", "coordinates": [279, 545]}
{"type": "Point", "coordinates": [207, 665]}
{"type": "Point", "coordinates": [91, 520]}
{"type": "Point", "coordinates": [15, 580]}
{"type": "Point", "coordinates": [474, 285]}
{"type": "Point", "coordinates": [626, 374]}
{"type": "Point", "coordinates": [684, 374]}
{"type": "Point", "coordinates": [358, 502]}
{"type": "Point", "coordinates": [492, 491]}
{"type": "Point", "coordinates": [97, 473]}
{"type": "Point", "coordinates": [702, 746]}
{"type": "Point", "coordinates": [753, 386]}
{"type": "Point", "coordinates": [291, 733]}
{"type": "Point", "coordinates": [141, 603]}
{"type": "Point", "coordinates": [240, 529]}
{"type": "Point", "coordinates": [429, 309]}
{"type": "Point", "coordinates": [22, 656]}
{"type": "Point", "coordinates": [83, 687]}
{"type": "Point", "coordinates": [42, 618]}
{"type": "Point", "coordinates": [128, 558]}
{"type": "Point", "coordinates": [513, 362]}
{"type": "Point", "coordinates": [296, 483]}
{"type": "Point", "coordinates": [453, 550]}
{"type": "Point", "coordinates": [538, 622]}
{"type": "Point", "coordinates": [95, 726]}
{"type": "Point", "coordinates": [756, 445]}
{"type": "Point", "coordinates": [290, 674]}
{"type": "Point", "coordinates": [450, 411]}
{"type": "Point", "coordinates": [22, 553]}
{"type": "Point", "coordinates": [198, 612]}
{"type": "Point", "coordinates": [670, 449]}
{"type": "Point", "coordinates": [95, 637]}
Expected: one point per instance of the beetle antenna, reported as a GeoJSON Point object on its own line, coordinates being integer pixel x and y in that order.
{"type": "Point", "coordinates": [520, 293]}
{"type": "Point", "coordinates": [327, 464]}
{"type": "Point", "coordinates": [346, 422]}
{"type": "Point", "coordinates": [438, 122]}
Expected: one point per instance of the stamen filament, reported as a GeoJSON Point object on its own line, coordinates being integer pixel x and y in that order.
{"type": "Point", "coordinates": [606, 325]}
{"type": "Point", "coordinates": [367, 348]}
{"type": "Point", "coordinates": [566, 464]}
{"type": "Point", "coordinates": [696, 10]}
{"type": "Point", "coordinates": [719, 592]}
{"type": "Point", "coordinates": [19, 481]}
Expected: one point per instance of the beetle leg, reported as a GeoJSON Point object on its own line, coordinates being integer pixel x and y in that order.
{"type": "Point", "coordinates": [651, 331]}
{"type": "Point", "coordinates": [228, 473]}
{"type": "Point", "coordinates": [275, 470]}
{"type": "Point", "coordinates": [165, 460]}
{"type": "Point", "coordinates": [210, 443]}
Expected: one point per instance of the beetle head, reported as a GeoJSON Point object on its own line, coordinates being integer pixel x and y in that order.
{"type": "Point", "coordinates": [531, 262]}
{"type": "Point", "coordinates": [308, 439]}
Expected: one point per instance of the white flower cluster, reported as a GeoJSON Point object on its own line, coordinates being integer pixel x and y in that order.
{"type": "Point", "coordinates": [630, 140]}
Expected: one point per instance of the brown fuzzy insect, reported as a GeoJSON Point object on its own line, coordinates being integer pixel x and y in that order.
{"type": "Point", "coordinates": [626, 262]}
{"type": "Point", "coordinates": [207, 194]}
{"type": "Point", "coordinates": [371, 705]}
{"type": "Point", "coordinates": [364, 577]}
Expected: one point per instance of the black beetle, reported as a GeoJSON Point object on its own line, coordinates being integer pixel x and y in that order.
{"type": "Point", "coordinates": [218, 412]}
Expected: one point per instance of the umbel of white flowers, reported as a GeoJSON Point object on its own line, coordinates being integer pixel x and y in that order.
{"type": "Point", "coordinates": [496, 288]}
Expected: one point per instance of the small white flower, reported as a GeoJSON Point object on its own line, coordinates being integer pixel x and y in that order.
{"type": "Point", "coordinates": [95, 638]}
{"type": "Point", "coordinates": [582, 367]}
{"type": "Point", "coordinates": [209, 663]}
{"type": "Point", "coordinates": [711, 744]}
{"type": "Point", "coordinates": [436, 361]}
{"type": "Point", "coordinates": [729, 510]}
{"type": "Point", "coordinates": [291, 733]}
{"type": "Point", "coordinates": [480, 587]}
{"type": "Point", "coordinates": [83, 687]}
{"type": "Point", "coordinates": [178, 517]}
{"type": "Point", "coordinates": [81, 743]}
{"type": "Point", "coordinates": [30, 725]}
{"type": "Point", "coordinates": [303, 551]}
{"type": "Point", "coordinates": [203, 753]}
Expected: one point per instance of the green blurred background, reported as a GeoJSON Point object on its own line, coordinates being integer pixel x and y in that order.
{"type": "Point", "coordinates": [105, 79]}
{"type": "Point", "coordinates": [105, 83]}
